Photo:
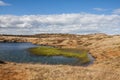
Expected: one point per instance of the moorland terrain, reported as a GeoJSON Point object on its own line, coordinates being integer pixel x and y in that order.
{"type": "Point", "coordinates": [104, 48]}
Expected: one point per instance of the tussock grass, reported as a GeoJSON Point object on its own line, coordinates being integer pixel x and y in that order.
{"type": "Point", "coordinates": [50, 51]}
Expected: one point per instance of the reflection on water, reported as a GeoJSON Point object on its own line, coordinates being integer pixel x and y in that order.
{"type": "Point", "coordinates": [17, 52]}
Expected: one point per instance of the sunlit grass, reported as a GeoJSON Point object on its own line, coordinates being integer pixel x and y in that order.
{"type": "Point", "coordinates": [50, 51]}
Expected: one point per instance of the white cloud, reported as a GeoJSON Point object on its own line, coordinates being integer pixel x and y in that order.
{"type": "Point", "coordinates": [3, 3]}
{"type": "Point", "coordinates": [99, 9]}
{"type": "Point", "coordinates": [63, 23]}
{"type": "Point", "coordinates": [116, 11]}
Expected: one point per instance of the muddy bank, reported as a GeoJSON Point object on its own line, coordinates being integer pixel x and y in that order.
{"type": "Point", "coordinates": [2, 62]}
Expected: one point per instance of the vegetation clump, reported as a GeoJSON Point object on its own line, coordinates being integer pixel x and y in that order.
{"type": "Point", "coordinates": [50, 51]}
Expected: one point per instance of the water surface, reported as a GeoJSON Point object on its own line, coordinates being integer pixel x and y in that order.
{"type": "Point", "coordinates": [18, 52]}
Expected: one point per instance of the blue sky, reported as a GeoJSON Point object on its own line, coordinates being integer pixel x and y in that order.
{"type": "Point", "coordinates": [59, 16]}
{"type": "Point", "coordinates": [28, 7]}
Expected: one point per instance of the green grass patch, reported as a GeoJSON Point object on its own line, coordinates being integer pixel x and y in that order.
{"type": "Point", "coordinates": [50, 51]}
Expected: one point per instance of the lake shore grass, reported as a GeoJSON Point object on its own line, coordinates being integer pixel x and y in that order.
{"type": "Point", "coordinates": [50, 51]}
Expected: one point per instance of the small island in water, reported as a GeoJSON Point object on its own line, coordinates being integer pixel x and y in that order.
{"type": "Point", "coordinates": [70, 53]}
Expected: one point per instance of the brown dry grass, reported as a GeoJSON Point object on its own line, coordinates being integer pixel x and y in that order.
{"type": "Point", "coordinates": [107, 70]}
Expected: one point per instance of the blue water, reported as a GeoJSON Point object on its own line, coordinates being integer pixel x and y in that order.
{"type": "Point", "coordinates": [18, 52]}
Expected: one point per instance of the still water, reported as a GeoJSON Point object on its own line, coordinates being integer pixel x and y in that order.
{"type": "Point", "coordinates": [18, 52]}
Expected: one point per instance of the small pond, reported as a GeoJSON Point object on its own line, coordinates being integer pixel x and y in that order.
{"type": "Point", "coordinates": [18, 52]}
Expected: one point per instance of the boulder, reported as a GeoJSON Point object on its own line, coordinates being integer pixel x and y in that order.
{"type": "Point", "coordinates": [2, 62]}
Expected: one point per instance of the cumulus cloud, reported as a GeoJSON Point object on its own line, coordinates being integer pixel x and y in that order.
{"type": "Point", "coordinates": [99, 9]}
{"type": "Point", "coordinates": [3, 3]}
{"type": "Point", "coordinates": [116, 11]}
{"type": "Point", "coordinates": [63, 23]}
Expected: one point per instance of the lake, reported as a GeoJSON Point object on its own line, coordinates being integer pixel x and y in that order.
{"type": "Point", "coordinates": [18, 52]}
